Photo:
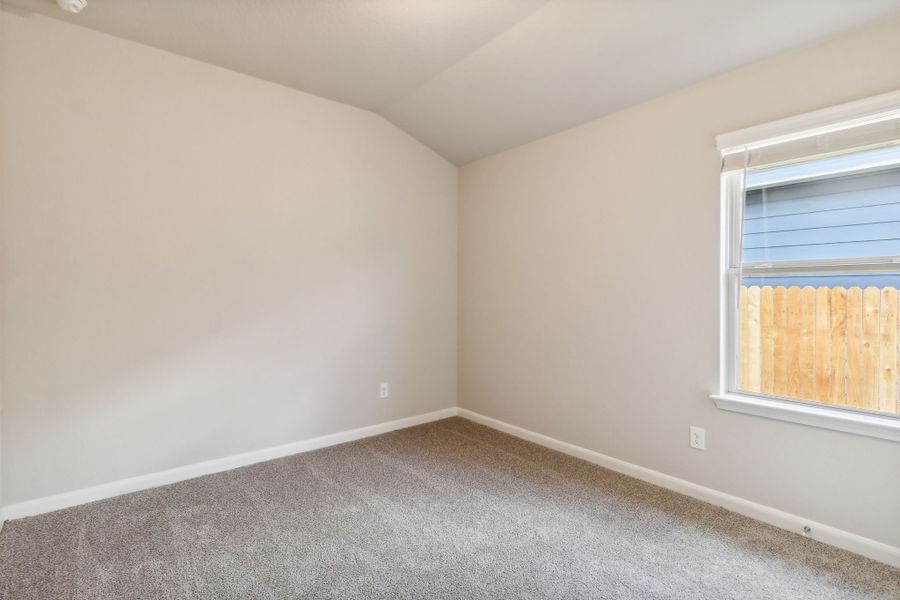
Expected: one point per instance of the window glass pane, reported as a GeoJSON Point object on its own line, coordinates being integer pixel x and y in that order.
{"type": "Point", "coordinates": [832, 340]}
{"type": "Point", "coordinates": [829, 338]}
{"type": "Point", "coordinates": [845, 216]}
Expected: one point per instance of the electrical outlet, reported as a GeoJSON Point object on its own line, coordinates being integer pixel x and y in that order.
{"type": "Point", "coordinates": [384, 391]}
{"type": "Point", "coordinates": [698, 438]}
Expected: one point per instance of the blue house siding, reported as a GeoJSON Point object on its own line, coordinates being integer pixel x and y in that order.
{"type": "Point", "coordinates": [844, 217]}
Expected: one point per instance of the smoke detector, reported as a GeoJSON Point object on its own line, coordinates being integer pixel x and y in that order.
{"type": "Point", "coordinates": [72, 6]}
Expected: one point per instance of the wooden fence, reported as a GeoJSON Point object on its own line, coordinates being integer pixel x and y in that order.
{"type": "Point", "coordinates": [828, 344]}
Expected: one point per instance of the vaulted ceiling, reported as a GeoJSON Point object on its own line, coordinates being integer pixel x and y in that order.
{"type": "Point", "coordinates": [473, 77]}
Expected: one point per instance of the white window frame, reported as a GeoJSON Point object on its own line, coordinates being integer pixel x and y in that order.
{"type": "Point", "coordinates": [729, 396]}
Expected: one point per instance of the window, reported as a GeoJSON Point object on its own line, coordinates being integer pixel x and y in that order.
{"type": "Point", "coordinates": [811, 269]}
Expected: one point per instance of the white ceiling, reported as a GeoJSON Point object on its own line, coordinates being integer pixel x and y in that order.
{"type": "Point", "coordinates": [473, 77]}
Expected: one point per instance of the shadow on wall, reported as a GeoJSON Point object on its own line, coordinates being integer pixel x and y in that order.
{"type": "Point", "coordinates": [142, 373]}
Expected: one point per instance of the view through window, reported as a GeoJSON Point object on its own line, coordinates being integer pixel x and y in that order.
{"type": "Point", "coordinates": [818, 278]}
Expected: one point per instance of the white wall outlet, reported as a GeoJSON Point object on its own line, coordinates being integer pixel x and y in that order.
{"type": "Point", "coordinates": [384, 391]}
{"type": "Point", "coordinates": [698, 438]}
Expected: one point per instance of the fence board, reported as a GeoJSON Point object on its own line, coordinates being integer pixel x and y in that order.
{"type": "Point", "coordinates": [807, 358]}
{"type": "Point", "coordinates": [838, 392]}
{"type": "Point", "coordinates": [767, 339]}
{"type": "Point", "coordinates": [744, 336]}
{"type": "Point", "coordinates": [779, 310]}
{"type": "Point", "coordinates": [871, 347]}
{"type": "Point", "coordinates": [887, 397]}
{"type": "Point", "coordinates": [822, 350]}
{"type": "Point", "coordinates": [854, 347]}
{"type": "Point", "coordinates": [792, 341]}
{"type": "Point", "coordinates": [754, 369]}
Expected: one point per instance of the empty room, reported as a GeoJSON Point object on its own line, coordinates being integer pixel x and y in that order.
{"type": "Point", "coordinates": [452, 299]}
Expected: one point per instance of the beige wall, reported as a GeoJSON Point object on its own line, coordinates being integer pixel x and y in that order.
{"type": "Point", "coordinates": [198, 263]}
{"type": "Point", "coordinates": [589, 291]}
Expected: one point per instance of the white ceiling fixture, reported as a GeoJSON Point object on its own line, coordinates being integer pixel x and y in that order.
{"type": "Point", "coordinates": [473, 77]}
{"type": "Point", "coordinates": [72, 6]}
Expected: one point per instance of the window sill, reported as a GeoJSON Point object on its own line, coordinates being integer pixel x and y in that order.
{"type": "Point", "coordinates": [877, 426]}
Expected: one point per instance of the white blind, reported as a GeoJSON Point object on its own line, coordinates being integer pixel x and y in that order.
{"type": "Point", "coordinates": [879, 131]}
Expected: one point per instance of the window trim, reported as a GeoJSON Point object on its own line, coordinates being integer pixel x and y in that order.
{"type": "Point", "coordinates": [847, 420]}
{"type": "Point", "coordinates": [729, 397]}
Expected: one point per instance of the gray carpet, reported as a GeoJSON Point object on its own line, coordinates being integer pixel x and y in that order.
{"type": "Point", "coordinates": [445, 510]}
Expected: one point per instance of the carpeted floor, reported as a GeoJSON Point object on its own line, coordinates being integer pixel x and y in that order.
{"type": "Point", "coordinates": [445, 510]}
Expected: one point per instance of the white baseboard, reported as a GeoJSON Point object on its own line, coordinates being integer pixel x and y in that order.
{"type": "Point", "coordinates": [824, 533]}
{"type": "Point", "coordinates": [143, 482]}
